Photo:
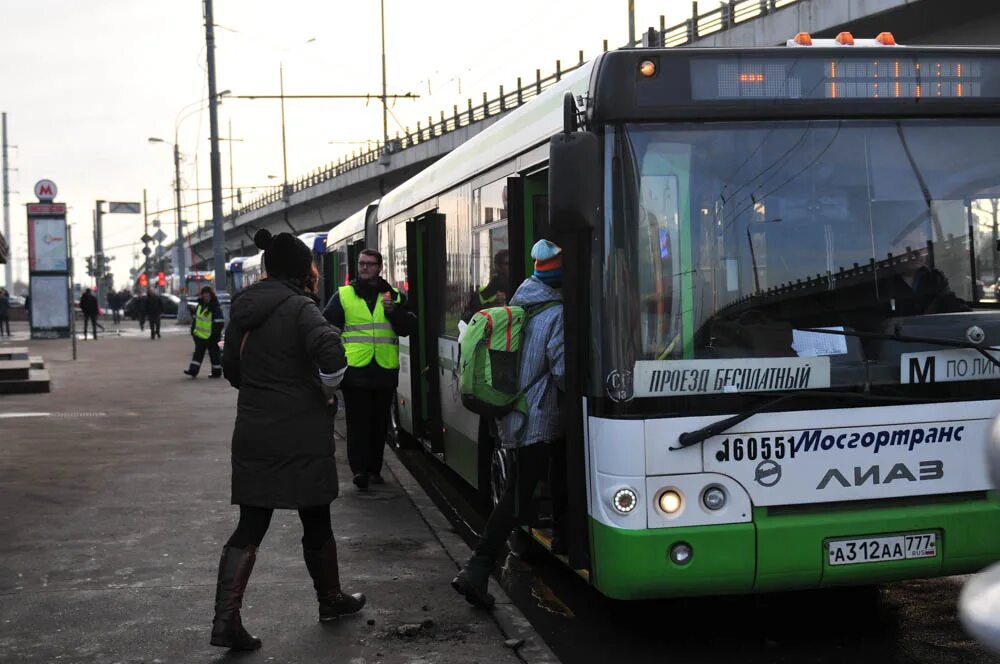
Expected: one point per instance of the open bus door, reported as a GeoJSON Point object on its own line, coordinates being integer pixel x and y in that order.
{"type": "Point", "coordinates": [575, 197]}
{"type": "Point", "coordinates": [426, 260]}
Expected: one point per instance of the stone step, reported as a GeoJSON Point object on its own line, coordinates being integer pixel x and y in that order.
{"type": "Point", "coordinates": [13, 353]}
{"type": "Point", "coordinates": [14, 369]}
{"type": "Point", "coordinates": [37, 382]}
{"type": "Point", "coordinates": [37, 362]}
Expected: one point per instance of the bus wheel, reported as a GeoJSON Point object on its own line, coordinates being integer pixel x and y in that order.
{"type": "Point", "coordinates": [392, 431]}
{"type": "Point", "coordinates": [501, 465]}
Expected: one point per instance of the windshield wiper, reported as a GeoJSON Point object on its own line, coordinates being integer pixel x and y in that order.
{"type": "Point", "coordinates": [952, 343]}
{"type": "Point", "coordinates": [689, 438]}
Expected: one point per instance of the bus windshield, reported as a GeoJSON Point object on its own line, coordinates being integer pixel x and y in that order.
{"type": "Point", "coordinates": [730, 240]}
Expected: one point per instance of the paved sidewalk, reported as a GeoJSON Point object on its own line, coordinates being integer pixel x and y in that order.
{"type": "Point", "coordinates": [115, 504]}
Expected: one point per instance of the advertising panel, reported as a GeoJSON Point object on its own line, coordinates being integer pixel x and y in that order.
{"type": "Point", "coordinates": [49, 306]}
{"type": "Point", "coordinates": [47, 244]}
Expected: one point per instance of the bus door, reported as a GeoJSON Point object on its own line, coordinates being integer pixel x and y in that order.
{"type": "Point", "coordinates": [425, 246]}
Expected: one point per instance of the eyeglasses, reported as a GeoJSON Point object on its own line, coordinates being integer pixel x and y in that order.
{"type": "Point", "coordinates": [367, 263]}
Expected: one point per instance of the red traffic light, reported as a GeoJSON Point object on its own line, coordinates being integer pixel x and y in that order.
{"type": "Point", "coordinates": [143, 280]}
{"type": "Point", "coordinates": [161, 280]}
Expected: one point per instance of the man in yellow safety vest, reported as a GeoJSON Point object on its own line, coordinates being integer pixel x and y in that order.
{"type": "Point", "coordinates": [206, 330]}
{"type": "Point", "coordinates": [372, 315]}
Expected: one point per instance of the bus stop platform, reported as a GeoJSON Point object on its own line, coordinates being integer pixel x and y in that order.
{"type": "Point", "coordinates": [115, 494]}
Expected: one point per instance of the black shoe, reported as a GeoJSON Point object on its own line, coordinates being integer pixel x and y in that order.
{"type": "Point", "coordinates": [325, 573]}
{"type": "Point", "coordinates": [234, 573]}
{"type": "Point", "coordinates": [376, 478]}
{"type": "Point", "coordinates": [361, 481]}
{"type": "Point", "coordinates": [473, 582]}
{"type": "Point", "coordinates": [193, 374]}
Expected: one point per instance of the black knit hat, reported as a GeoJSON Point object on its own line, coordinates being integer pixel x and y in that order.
{"type": "Point", "coordinates": [284, 255]}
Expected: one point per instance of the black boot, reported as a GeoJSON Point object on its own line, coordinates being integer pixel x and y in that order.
{"type": "Point", "coordinates": [322, 566]}
{"type": "Point", "coordinates": [234, 572]}
{"type": "Point", "coordinates": [473, 582]}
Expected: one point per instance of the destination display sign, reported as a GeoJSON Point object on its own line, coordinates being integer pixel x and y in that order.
{"type": "Point", "coordinates": [948, 366]}
{"type": "Point", "coordinates": [892, 75]}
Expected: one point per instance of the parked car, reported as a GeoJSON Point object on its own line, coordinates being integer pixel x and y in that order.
{"type": "Point", "coordinates": [170, 304]}
{"type": "Point", "coordinates": [16, 302]}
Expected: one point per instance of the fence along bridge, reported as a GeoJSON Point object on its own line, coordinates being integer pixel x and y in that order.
{"type": "Point", "coordinates": [324, 197]}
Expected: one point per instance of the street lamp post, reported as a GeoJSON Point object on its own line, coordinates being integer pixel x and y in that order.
{"type": "Point", "coordinates": [218, 234]}
{"type": "Point", "coordinates": [181, 251]}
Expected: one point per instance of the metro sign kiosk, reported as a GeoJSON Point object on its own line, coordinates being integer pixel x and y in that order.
{"type": "Point", "coordinates": [48, 265]}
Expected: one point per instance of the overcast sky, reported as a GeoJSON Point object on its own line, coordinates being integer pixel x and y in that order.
{"type": "Point", "coordinates": [85, 83]}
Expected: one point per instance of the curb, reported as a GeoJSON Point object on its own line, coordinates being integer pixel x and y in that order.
{"type": "Point", "coordinates": [512, 623]}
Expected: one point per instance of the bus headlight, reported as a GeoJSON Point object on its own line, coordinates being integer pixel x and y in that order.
{"type": "Point", "coordinates": [670, 501]}
{"type": "Point", "coordinates": [714, 498]}
{"type": "Point", "coordinates": [624, 500]}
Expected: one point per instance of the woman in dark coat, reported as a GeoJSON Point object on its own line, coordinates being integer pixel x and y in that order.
{"type": "Point", "coordinates": [286, 361]}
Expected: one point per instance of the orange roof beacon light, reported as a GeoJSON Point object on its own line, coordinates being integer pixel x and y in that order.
{"type": "Point", "coordinates": [842, 39]}
{"type": "Point", "coordinates": [647, 68]}
{"type": "Point", "coordinates": [845, 39]}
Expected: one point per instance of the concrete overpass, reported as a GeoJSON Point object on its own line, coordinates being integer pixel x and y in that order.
{"type": "Point", "coordinates": [325, 197]}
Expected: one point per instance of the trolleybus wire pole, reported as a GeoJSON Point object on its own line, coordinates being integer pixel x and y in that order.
{"type": "Point", "coordinates": [218, 234]}
{"type": "Point", "coordinates": [69, 288]}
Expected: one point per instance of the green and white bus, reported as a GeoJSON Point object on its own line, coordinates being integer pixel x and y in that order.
{"type": "Point", "coordinates": [781, 271]}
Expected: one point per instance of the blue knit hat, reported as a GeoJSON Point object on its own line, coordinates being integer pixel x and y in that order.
{"type": "Point", "coordinates": [548, 262]}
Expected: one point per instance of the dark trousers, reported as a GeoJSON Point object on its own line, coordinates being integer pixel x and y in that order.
{"type": "Point", "coordinates": [367, 413]}
{"type": "Point", "coordinates": [200, 346]}
{"type": "Point", "coordinates": [531, 467]}
{"type": "Point", "coordinates": [92, 319]}
{"type": "Point", "coordinates": [254, 521]}
{"type": "Point", "coordinates": [4, 324]}
{"type": "Point", "coordinates": [142, 321]}
{"type": "Point", "coordinates": [116, 317]}
{"type": "Point", "coordinates": [154, 327]}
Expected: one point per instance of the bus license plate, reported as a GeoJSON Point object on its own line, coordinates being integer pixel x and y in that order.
{"type": "Point", "coordinates": [882, 548]}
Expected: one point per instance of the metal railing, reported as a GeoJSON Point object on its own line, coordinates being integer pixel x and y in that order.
{"type": "Point", "coordinates": [726, 15]}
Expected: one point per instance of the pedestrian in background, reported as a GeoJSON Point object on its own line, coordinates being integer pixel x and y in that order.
{"type": "Point", "coordinates": [542, 354]}
{"type": "Point", "coordinates": [373, 316]}
{"type": "Point", "coordinates": [4, 312]}
{"type": "Point", "coordinates": [286, 361]}
{"type": "Point", "coordinates": [113, 304]}
{"type": "Point", "coordinates": [206, 330]}
{"type": "Point", "coordinates": [141, 309]}
{"type": "Point", "coordinates": [152, 306]}
{"type": "Point", "coordinates": [89, 308]}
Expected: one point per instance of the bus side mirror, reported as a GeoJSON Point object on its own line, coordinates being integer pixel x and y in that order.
{"type": "Point", "coordinates": [574, 181]}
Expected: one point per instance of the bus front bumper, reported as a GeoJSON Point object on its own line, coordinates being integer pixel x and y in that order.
{"type": "Point", "coordinates": [784, 551]}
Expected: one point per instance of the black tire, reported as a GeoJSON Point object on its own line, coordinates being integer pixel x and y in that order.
{"type": "Point", "coordinates": [392, 432]}
{"type": "Point", "coordinates": [501, 464]}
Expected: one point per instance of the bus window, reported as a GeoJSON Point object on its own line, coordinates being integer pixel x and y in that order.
{"type": "Point", "coordinates": [458, 239]}
{"type": "Point", "coordinates": [490, 270]}
{"type": "Point", "coordinates": [657, 244]}
{"type": "Point", "coordinates": [385, 248]}
{"type": "Point", "coordinates": [399, 259]}
{"type": "Point", "coordinates": [490, 203]}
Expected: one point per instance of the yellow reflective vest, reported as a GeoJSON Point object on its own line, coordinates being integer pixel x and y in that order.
{"type": "Point", "coordinates": [203, 322]}
{"type": "Point", "coordinates": [367, 335]}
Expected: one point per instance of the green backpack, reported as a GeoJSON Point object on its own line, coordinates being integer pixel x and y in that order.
{"type": "Point", "coordinates": [490, 360]}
